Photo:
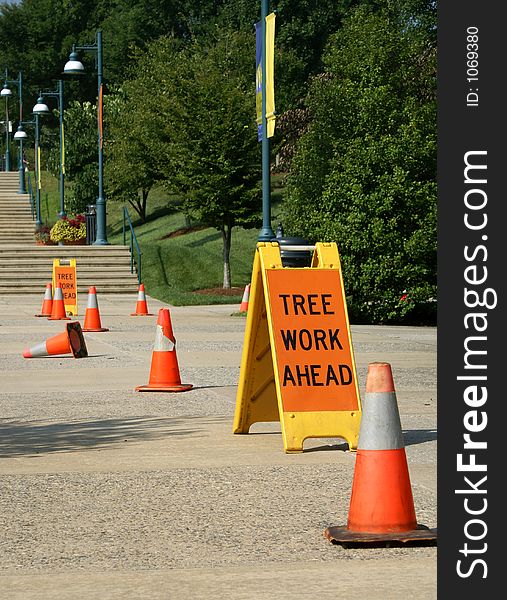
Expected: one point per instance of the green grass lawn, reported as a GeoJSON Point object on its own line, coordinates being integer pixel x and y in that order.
{"type": "Point", "coordinates": [175, 266]}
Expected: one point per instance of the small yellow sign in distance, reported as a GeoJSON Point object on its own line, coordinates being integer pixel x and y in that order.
{"type": "Point", "coordinates": [298, 363]}
{"type": "Point", "coordinates": [64, 273]}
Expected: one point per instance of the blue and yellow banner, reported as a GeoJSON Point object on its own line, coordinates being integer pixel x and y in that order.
{"type": "Point", "coordinates": [63, 151]}
{"type": "Point", "coordinates": [101, 114]}
{"type": "Point", "coordinates": [270, 68]}
{"type": "Point", "coordinates": [37, 158]}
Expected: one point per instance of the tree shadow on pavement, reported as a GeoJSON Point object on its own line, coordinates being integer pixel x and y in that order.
{"type": "Point", "coordinates": [22, 438]}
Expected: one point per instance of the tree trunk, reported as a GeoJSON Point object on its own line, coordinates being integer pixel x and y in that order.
{"type": "Point", "coordinates": [226, 236]}
{"type": "Point", "coordinates": [144, 202]}
{"type": "Point", "coordinates": [139, 205]}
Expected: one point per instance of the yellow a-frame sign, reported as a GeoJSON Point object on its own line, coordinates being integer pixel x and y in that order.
{"type": "Point", "coordinates": [298, 364]}
{"type": "Point", "coordinates": [64, 273]}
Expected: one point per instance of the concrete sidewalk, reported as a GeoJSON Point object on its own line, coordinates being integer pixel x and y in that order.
{"type": "Point", "coordinates": [109, 493]}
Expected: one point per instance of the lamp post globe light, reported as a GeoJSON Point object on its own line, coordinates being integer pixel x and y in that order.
{"type": "Point", "coordinates": [75, 67]}
{"type": "Point", "coordinates": [42, 109]}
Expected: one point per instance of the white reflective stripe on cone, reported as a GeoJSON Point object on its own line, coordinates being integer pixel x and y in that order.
{"type": "Point", "coordinates": [380, 423]}
{"type": "Point", "coordinates": [39, 350]}
{"type": "Point", "coordinates": [162, 342]}
{"type": "Point", "coordinates": [92, 301]}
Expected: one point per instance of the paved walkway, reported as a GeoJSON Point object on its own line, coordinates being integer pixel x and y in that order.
{"type": "Point", "coordinates": [107, 493]}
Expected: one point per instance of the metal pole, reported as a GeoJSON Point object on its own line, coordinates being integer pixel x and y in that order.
{"type": "Point", "coordinates": [62, 212]}
{"type": "Point", "coordinates": [7, 149]}
{"type": "Point", "coordinates": [21, 166]}
{"type": "Point", "coordinates": [38, 220]}
{"type": "Point", "coordinates": [266, 233]}
{"type": "Point", "coordinates": [101, 238]}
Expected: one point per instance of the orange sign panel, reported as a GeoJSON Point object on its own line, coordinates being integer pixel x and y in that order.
{"type": "Point", "coordinates": [311, 341]}
{"type": "Point", "coordinates": [65, 275]}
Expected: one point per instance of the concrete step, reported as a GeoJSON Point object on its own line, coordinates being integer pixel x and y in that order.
{"type": "Point", "coordinates": [16, 213]}
{"type": "Point", "coordinates": [27, 240]}
{"type": "Point", "coordinates": [36, 259]}
{"type": "Point", "coordinates": [14, 196]}
{"type": "Point", "coordinates": [105, 252]}
{"type": "Point", "coordinates": [28, 228]}
{"type": "Point", "coordinates": [22, 223]}
{"type": "Point", "coordinates": [12, 201]}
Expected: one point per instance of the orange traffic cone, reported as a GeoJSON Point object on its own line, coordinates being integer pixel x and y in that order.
{"type": "Point", "coordinates": [47, 302]}
{"type": "Point", "coordinates": [70, 341]}
{"type": "Point", "coordinates": [164, 372]}
{"type": "Point", "coordinates": [381, 506]}
{"type": "Point", "coordinates": [243, 307]}
{"type": "Point", "coordinates": [58, 309]}
{"type": "Point", "coordinates": [92, 316]}
{"type": "Point", "coordinates": [141, 305]}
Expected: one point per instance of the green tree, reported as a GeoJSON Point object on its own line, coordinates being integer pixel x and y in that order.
{"type": "Point", "coordinates": [131, 169]}
{"type": "Point", "coordinates": [81, 155]}
{"type": "Point", "coordinates": [365, 172]}
{"type": "Point", "coordinates": [205, 113]}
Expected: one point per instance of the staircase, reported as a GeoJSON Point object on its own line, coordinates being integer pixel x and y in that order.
{"type": "Point", "coordinates": [25, 267]}
{"type": "Point", "coordinates": [16, 222]}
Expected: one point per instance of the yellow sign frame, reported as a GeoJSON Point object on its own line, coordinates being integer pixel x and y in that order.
{"type": "Point", "coordinates": [260, 397]}
{"type": "Point", "coordinates": [66, 273]}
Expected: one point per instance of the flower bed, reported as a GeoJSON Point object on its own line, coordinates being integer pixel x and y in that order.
{"type": "Point", "coordinates": [69, 230]}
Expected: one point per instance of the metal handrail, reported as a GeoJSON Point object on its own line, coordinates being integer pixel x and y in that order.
{"type": "Point", "coordinates": [133, 241]}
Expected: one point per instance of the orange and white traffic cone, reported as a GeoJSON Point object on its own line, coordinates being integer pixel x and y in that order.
{"type": "Point", "coordinates": [92, 316]}
{"type": "Point", "coordinates": [164, 372]}
{"type": "Point", "coordinates": [141, 304]}
{"type": "Point", "coordinates": [381, 505]}
{"type": "Point", "coordinates": [58, 310]}
{"type": "Point", "coordinates": [243, 307]}
{"type": "Point", "coordinates": [71, 341]}
{"type": "Point", "coordinates": [47, 302]}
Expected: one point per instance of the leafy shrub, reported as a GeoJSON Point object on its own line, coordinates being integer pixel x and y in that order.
{"type": "Point", "coordinates": [43, 234]}
{"type": "Point", "coordinates": [69, 230]}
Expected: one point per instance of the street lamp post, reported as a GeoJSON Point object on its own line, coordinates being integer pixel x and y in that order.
{"type": "Point", "coordinates": [41, 109]}
{"type": "Point", "coordinates": [7, 93]}
{"type": "Point", "coordinates": [75, 67]}
{"type": "Point", "coordinates": [20, 135]}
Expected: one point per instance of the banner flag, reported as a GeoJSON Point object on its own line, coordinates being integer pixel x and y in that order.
{"type": "Point", "coordinates": [258, 78]}
{"type": "Point", "coordinates": [101, 109]}
{"type": "Point", "coordinates": [39, 183]}
{"type": "Point", "coordinates": [270, 77]}
{"type": "Point", "coordinates": [270, 86]}
{"type": "Point", "coordinates": [63, 151]}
